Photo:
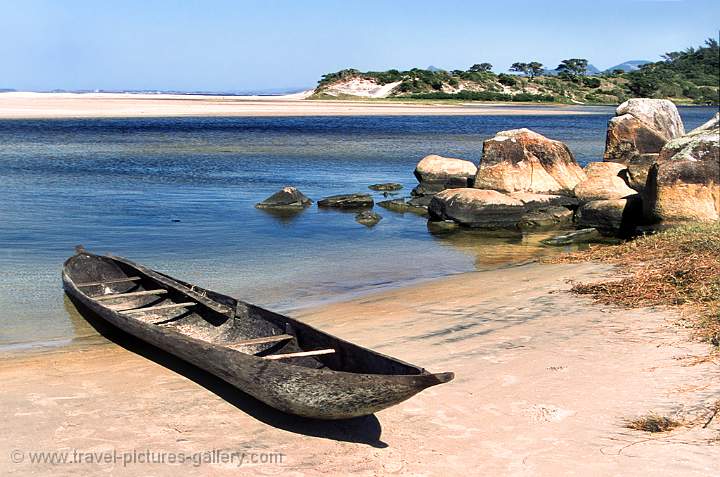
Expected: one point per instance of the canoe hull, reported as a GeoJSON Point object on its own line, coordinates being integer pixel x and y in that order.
{"type": "Point", "coordinates": [313, 393]}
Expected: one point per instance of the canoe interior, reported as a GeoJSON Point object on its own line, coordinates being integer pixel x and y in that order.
{"type": "Point", "coordinates": [218, 319]}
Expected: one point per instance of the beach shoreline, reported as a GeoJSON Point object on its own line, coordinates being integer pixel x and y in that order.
{"type": "Point", "coordinates": [522, 348]}
{"type": "Point", "coordinates": [28, 105]}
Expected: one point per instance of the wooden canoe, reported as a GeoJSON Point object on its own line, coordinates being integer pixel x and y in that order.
{"type": "Point", "coordinates": [280, 361]}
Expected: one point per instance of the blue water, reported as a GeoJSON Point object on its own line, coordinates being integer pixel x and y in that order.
{"type": "Point", "coordinates": [178, 194]}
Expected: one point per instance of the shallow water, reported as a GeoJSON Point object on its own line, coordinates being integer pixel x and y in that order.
{"type": "Point", "coordinates": [178, 194]}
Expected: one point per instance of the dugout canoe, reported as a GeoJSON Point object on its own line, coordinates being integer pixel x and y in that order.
{"type": "Point", "coordinates": [280, 361]}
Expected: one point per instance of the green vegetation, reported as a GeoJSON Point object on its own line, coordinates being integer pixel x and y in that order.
{"type": "Point", "coordinates": [692, 73]}
{"type": "Point", "coordinates": [690, 76]}
{"type": "Point", "coordinates": [487, 96]}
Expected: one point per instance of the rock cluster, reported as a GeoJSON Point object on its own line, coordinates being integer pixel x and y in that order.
{"type": "Point", "coordinates": [653, 173]}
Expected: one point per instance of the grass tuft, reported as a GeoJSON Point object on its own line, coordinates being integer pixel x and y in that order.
{"type": "Point", "coordinates": [653, 423]}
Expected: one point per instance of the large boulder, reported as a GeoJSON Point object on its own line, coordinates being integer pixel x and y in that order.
{"type": "Point", "coordinates": [436, 173]}
{"type": "Point", "coordinates": [684, 185]}
{"type": "Point", "coordinates": [285, 198]}
{"type": "Point", "coordinates": [521, 160]}
{"type": "Point", "coordinates": [604, 181]}
{"type": "Point", "coordinates": [641, 126]}
{"type": "Point", "coordinates": [478, 208]}
{"type": "Point", "coordinates": [661, 114]}
{"type": "Point", "coordinates": [611, 217]}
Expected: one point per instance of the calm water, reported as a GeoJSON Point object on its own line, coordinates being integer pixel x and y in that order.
{"type": "Point", "coordinates": [178, 194]}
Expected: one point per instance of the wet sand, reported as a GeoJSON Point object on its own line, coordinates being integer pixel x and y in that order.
{"type": "Point", "coordinates": [544, 383]}
{"type": "Point", "coordinates": [116, 105]}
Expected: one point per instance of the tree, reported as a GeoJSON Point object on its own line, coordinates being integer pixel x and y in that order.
{"type": "Point", "coordinates": [644, 86]}
{"type": "Point", "coordinates": [535, 69]}
{"type": "Point", "coordinates": [480, 68]}
{"type": "Point", "coordinates": [520, 68]}
{"type": "Point", "coordinates": [573, 67]}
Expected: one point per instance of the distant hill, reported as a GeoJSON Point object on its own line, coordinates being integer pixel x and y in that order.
{"type": "Point", "coordinates": [688, 76]}
{"type": "Point", "coordinates": [628, 66]}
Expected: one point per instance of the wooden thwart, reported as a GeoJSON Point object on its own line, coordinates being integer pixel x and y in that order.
{"type": "Point", "coordinates": [263, 340]}
{"type": "Point", "coordinates": [110, 281]}
{"type": "Point", "coordinates": [160, 291]}
{"type": "Point", "coordinates": [160, 307]}
{"type": "Point", "coordinates": [300, 354]}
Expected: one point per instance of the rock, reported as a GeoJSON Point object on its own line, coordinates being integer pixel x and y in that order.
{"type": "Point", "coordinates": [445, 172]}
{"type": "Point", "coordinates": [539, 201]}
{"type": "Point", "coordinates": [422, 201]}
{"type": "Point", "coordinates": [712, 123]}
{"type": "Point", "coordinates": [442, 226]}
{"type": "Point", "coordinates": [479, 208]}
{"type": "Point", "coordinates": [347, 201]}
{"type": "Point", "coordinates": [436, 173]}
{"type": "Point", "coordinates": [386, 187]}
{"type": "Point", "coordinates": [603, 182]}
{"type": "Point", "coordinates": [368, 218]}
{"type": "Point", "coordinates": [400, 206]}
{"type": "Point", "coordinates": [287, 197]}
{"type": "Point", "coordinates": [641, 126]}
{"type": "Point", "coordinates": [577, 236]}
{"type": "Point", "coordinates": [521, 160]}
{"type": "Point", "coordinates": [637, 170]}
{"type": "Point", "coordinates": [684, 185]}
{"type": "Point", "coordinates": [660, 114]}
{"type": "Point", "coordinates": [546, 218]}
{"type": "Point", "coordinates": [614, 216]}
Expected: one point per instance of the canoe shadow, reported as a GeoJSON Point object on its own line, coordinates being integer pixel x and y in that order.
{"type": "Point", "coordinates": [361, 430]}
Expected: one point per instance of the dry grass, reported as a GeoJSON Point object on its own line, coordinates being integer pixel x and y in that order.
{"type": "Point", "coordinates": [653, 423]}
{"type": "Point", "coordinates": [677, 267]}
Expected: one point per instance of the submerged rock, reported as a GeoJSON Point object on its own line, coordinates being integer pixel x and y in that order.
{"type": "Point", "coordinates": [401, 206]}
{"type": "Point", "coordinates": [604, 182]}
{"type": "Point", "coordinates": [641, 126]}
{"type": "Point", "coordinates": [521, 160]}
{"type": "Point", "coordinates": [442, 226]}
{"type": "Point", "coordinates": [684, 185]}
{"type": "Point", "coordinates": [347, 201]}
{"type": "Point", "coordinates": [478, 208]}
{"type": "Point", "coordinates": [577, 236]}
{"type": "Point", "coordinates": [368, 218]}
{"type": "Point", "coordinates": [287, 197]}
{"type": "Point", "coordinates": [386, 187]}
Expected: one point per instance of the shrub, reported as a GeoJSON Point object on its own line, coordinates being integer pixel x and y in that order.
{"type": "Point", "coordinates": [507, 80]}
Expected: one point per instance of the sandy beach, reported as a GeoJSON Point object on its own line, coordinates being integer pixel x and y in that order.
{"type": "Point", "coordinates": [545, 382]}
{"type": "Point", "coordinates": [23, 105]}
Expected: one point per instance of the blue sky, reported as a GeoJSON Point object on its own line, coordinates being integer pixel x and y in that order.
{"type": "Point", "coordinates": [219, 45]}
